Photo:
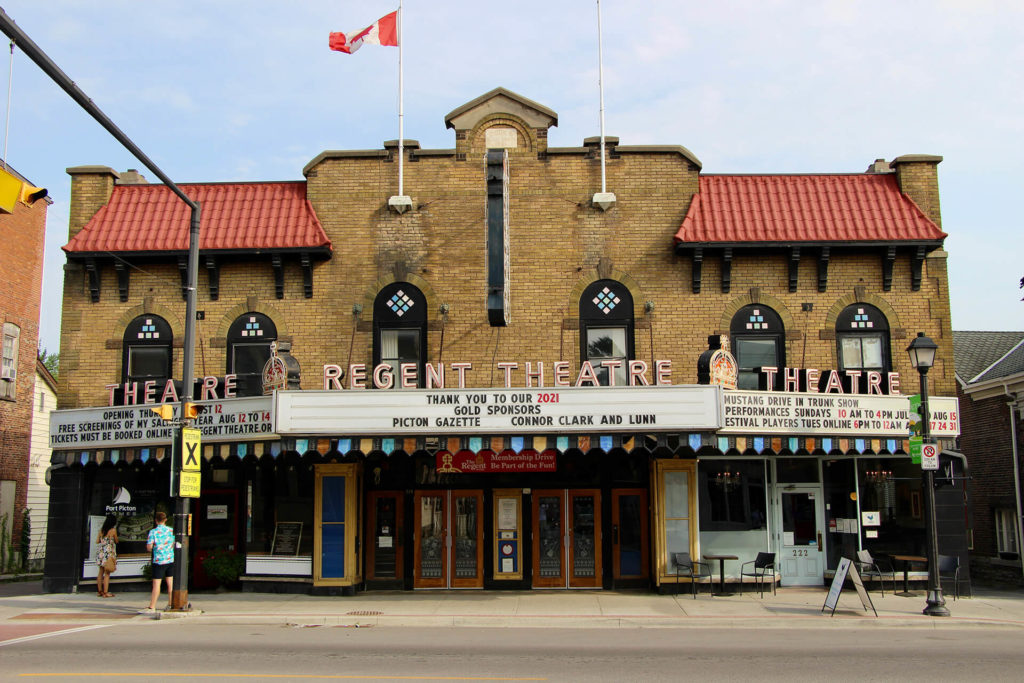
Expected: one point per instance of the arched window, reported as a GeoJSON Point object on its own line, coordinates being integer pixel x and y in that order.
{"type": "Point", "coordinates": [758, 340]}
{"type": "Point", "coordinates": [147, 351]}
{"type": "Point", "coordinates": [862, 339]}
{"type": "Point", "coordinates": [249, 340]}
{"type": "Point", "coordinates": [400, 329]}
{"type": "Point", "coordinates": [606, 328]}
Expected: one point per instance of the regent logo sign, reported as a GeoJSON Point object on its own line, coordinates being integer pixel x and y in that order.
{"type": "Point", "coordinates": [528, 374]}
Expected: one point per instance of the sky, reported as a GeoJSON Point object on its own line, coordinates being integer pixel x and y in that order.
{"type": "Point", "coordinates": [233, 91]}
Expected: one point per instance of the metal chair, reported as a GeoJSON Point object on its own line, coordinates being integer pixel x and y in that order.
{"type": "Point", "coordinates": [760, 568]}
{"type": "Point", "coordinates": [949, 568]}
{"type": "Point", "coordinates": [692, 569]}
{"type": "Point", "coordinates": [868, 566]}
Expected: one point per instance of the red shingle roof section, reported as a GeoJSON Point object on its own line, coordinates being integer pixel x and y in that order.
{"type": "Point", "coordinates": [804, 208]}
{"type": "Point", "coordinates": [140, 218]}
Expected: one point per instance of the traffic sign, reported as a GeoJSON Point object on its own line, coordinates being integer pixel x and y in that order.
{"type": "Point", "coordinates": [929, 456]}
{"type": "Point", "coordinates": [190, 449]}
{"type": "Point", "coordinates": [190, 483]}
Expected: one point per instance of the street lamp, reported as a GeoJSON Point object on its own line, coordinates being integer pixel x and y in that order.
{"type": "Point", "coordinates": [922, 356]}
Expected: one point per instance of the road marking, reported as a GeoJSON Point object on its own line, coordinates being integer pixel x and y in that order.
{"type": "Point", "coordinates": [336, 677]}
{"type": "Point", "coordinates": [26, 639]}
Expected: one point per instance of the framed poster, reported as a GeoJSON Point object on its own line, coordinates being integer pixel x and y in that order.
{"type": "Point", "coordinates": [287, 536]}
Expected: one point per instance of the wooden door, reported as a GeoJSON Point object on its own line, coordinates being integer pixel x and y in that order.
{"type": "Point", "coordinates": [430, 538]}
{"type": "Point", "coordinates": [548, 539]}
{"type": "Point", "coordinates": [385, 532]}
{"type": "Point", "coordinates": [215, 529]}
{"type": "Point", "coordinates": [466, 528]}
{"type": "Point", "coordinates": [629, 534]}
{"type": "Point", "coordinates": [448, 539]}
{"type": "Point", "coordinates": [583, 512]}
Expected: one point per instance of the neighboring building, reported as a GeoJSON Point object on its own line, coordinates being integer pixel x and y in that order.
{"type": "Point", "coordinates": [22, 231]}
{"type": "Point", "coordinates": [522, 467]}
{"type": "Point", "coordinates": [45, 402]}
{"type": "Point", "coordinates": [990, 382]}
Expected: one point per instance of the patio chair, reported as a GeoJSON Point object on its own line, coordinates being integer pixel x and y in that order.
{"type": "Point", "coordinates": [872, 566]}
{"type": "Point", "coordinates": [760, 568]}
{"type": "Point", "coordinates": [949, 568]}
{"type": "Point", "coordinates": [692, 569]}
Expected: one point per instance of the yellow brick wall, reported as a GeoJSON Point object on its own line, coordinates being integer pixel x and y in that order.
{"type": "Point", "coordinates": [557, 242]}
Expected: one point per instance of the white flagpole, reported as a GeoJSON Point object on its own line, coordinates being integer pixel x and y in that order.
{"type": "Point", "coordinates": [600, 86]}
{"type": "Point", "coordinates": [401, 109]}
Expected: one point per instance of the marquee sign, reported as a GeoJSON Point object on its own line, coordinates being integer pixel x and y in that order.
{"type": "Point", "coordinates": [760, 412]}
{"type": "Point", "coordinates": [499, 411]}
{"type": "Point", "coordinates": [235, 419]}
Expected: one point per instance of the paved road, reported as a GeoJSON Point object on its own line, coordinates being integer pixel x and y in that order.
{"type": "Point", "coordinates": [189, 649]}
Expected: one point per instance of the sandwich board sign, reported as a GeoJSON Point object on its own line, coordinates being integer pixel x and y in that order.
{"type": "Point", "coordinates": [847, 568]}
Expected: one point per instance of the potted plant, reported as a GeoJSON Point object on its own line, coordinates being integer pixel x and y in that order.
{"type": "Point", "coordinates": [224, 566]}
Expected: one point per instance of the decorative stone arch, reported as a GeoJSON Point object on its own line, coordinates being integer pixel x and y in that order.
{"type": "Point", "coordinates": [601, 273]}
{"type": "Point", "coordinates": [498, 120]}
{"type": "Point", "coordinates": [150, 307]}
{"type": "Point", "coordinates": [370, 295]}
{"type": "Point", "coordinates": [756, 296]}
{"type": "Point", "coordinates": [253, 304]}
{"type": "Point", "coordinates": [860, 295]}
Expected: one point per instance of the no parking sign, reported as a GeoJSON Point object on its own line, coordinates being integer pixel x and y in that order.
{"type": "Point", "coordinates": [929, 456]}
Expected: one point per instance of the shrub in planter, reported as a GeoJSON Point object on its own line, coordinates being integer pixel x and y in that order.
{"type": "Point", "coordinates": [224, 566]}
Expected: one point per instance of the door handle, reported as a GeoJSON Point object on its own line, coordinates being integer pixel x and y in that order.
{"type": "Point", "coordinates": [819, 543]}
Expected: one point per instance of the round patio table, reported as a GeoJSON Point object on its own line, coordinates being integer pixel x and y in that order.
{"type": "Point", "coordinates": [721, 571]}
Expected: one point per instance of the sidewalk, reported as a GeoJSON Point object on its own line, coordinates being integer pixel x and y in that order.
{"type": "Point", "coordinates": [790, 608]}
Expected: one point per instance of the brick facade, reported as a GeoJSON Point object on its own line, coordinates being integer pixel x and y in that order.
{"type": "Point", "coordinates": [21, 262]}
{"type": "Point", "coordinates": [559, 244]}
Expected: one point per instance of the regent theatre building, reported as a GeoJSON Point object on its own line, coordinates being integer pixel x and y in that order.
{"type": "Point", "coordinates": [505, 382]}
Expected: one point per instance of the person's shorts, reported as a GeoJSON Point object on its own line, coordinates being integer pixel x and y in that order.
{"type": "Point", "coordinates": [162, 571]}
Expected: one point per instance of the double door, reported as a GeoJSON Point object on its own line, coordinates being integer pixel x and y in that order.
{"type": "Point", "coordinates": [567, 538]}
{"type": "Point", "coordinates": [448, 539]}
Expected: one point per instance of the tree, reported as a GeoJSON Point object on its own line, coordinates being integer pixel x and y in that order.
{"type": "Point", "coordinates": [50, 360]}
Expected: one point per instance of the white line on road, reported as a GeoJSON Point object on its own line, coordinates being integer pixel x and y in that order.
{"type": "Point", "coordinates": [26, 639]}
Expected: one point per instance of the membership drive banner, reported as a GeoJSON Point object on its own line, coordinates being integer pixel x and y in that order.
{"type": "Point", "coordinates": [499, 411]}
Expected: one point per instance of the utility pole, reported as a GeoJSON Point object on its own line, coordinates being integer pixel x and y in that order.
{"type": "Point", "coordinates": [179, 597]}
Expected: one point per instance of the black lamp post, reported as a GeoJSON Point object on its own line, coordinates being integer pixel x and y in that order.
{"type": "Point", "coordinates": [922, 356]}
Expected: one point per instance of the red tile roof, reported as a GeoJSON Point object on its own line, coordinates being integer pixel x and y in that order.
{"type": "Point", "coordinates": [234, 216]}
{"type": "Point", "coordinates": [752, 209]}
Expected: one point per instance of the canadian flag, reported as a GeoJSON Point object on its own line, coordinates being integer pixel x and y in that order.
{"type": "Point", "coordinates": [384, 31]}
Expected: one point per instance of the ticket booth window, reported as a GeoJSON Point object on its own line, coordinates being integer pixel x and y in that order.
{"type": "Point", "coordinates": [675, 507]}
{"type": "Point", "coordinates": [335, 541]}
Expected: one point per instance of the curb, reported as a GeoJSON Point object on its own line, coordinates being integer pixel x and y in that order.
{"type": "Point", "coordinates": [577, 622]}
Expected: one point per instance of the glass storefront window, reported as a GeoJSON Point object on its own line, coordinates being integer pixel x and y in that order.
{"type": "Point", "coordinates": [733, 507]}
{"type": "Point", "coordinates": [677, 513]}
{"type": "Point", "coordinates": [891, 487]}
{"type": "Point", "coordinates": [797, 470]}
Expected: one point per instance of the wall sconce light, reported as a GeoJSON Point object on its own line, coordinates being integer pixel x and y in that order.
{"type": "Point", "coordinates": [444, 309]}
{"type": "Point", "coordinates": [648, 307]}
{"type": "Point", "coordinates": [357, 309]}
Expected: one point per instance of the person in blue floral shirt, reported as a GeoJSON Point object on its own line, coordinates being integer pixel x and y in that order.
{"type": "Point", "coordinates": [161, 544]}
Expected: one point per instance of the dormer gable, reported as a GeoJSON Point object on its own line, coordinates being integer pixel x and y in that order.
{"type": "Point", "coordinates": [501, 119]}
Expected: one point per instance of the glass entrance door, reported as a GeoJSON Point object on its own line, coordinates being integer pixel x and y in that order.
{"type": "Point", "coordinates": [800, 520]}
{"type": "Point", "coordinates": [629, 534]}
{"type": "Point", "coordinates": [384, 557]}
{"type": "Point", "coordinates": [448, 538]}
{"type": "Point", "coordinates": [567, 538]}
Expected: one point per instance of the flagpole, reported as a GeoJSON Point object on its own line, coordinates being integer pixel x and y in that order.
{"type": "Point", "coordinates": [401, 109]}
{"type": "Point", "coordinates": [600, 87]}
{"type": "Point", "coordinates": [603, 200]}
